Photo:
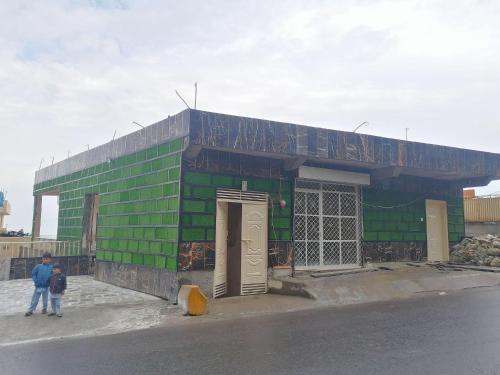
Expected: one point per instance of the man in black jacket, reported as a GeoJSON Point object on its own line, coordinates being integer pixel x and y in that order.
{"type": "Point", "coordinates": [57, 287]}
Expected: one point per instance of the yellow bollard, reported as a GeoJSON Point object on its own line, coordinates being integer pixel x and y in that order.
{"type": "Point", "coordinates": [192, 300]}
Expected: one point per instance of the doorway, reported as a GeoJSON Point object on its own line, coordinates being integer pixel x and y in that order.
{"type": "Point", "coordinates": [437, 231]}
{"type": "Point", "coordinates": [89, 230]}
{"type": "Point", "coordinates": [241, 244]}
{"type": "Point", "coordinates": [234, 250]}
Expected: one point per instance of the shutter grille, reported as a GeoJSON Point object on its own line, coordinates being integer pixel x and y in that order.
{"type": "Point", "coordinates": [258, 288]}
{"type": "Point", "coordinates": [239, 195]}
{"type": "Point", "coordinates": [220, 290]}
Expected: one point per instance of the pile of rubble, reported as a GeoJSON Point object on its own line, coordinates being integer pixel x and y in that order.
{"type": "Point", "coordinates": [479, 251]}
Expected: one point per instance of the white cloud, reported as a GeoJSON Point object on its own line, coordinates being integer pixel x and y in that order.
{"type": "Point", "coordinates": [73, 72]}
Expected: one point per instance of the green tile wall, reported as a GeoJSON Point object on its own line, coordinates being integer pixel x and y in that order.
{"type": "Point", "coordinates": [138, 219]}
{"type": "Point", "coordinates": [406, 220]}
{"type": "Point", "coordinates": [456, 223]}
{"type": "Point", "coordinates": [198, 204]}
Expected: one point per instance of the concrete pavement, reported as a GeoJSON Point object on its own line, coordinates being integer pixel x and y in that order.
{"type": "Point", "coordinates": [90, 308]}
{"type": "Point", "coordinates": [83, 291]}
{"type": "Point", "coordinates": [94, 308]}
{"type": "Point", "coordinates": [455, 333]}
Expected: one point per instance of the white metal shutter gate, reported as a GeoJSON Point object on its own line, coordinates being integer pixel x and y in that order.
{"type": "Point", "coordinates": [326, 224]}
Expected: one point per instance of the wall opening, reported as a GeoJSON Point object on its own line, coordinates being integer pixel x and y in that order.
{"type": "Point", "coordinates": [48, 217]}
{"type": "Point", "coordinates": [234, 250]}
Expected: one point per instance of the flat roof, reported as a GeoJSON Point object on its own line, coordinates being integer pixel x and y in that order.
{"type": "Point", "coordinates": [295, 144]}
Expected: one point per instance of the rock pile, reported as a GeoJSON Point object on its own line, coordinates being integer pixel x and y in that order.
{"type": "Point", "coordinates": [479, 251]}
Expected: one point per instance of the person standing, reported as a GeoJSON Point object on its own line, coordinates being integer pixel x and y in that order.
{"type": "Point", "coordinates": [41, 276]}
{"type": "Point", "coordinates": [57, 286]}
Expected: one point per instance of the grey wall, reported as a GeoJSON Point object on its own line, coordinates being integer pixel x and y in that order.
{"type": "Point", "coordinates": [159, 282]}
{"type": "Point", "coordinates": [4, 269]}
{"type": "Point", "coordinates": [478, 229]}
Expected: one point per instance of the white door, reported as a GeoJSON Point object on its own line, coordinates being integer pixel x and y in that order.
{"type": "Point", "coordinates": [221, 230]}
{"type": "Point", "coordinates": [254, 248]}
{"type": "Point", "coordinates": [437, 231]}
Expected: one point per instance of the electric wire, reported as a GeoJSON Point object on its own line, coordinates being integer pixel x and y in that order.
{"type": "Point", "coordinates": [391, 207]}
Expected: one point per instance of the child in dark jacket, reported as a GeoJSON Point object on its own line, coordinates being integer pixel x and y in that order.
{"type": "Point", "coordinates": [57, 286]}
{"type": "Point", "coordinates": [40, 275]}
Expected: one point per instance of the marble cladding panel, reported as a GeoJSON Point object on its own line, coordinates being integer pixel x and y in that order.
{"type": "Point", "coordinates": [215, 130]}
{"type": "Point", "coordinates": [235, 164]}
{"type": "Point", "coordinates": [254, 135]}
{"type": "Point", "coordinates": [196, 256]}
{"type": "Point", "coordinates": [392, 251]}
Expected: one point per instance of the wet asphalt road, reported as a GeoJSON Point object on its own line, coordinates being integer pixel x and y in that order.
{"type": "Point", "coordinates": [456, 333]}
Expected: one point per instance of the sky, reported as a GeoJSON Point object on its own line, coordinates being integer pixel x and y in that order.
{"type": "Point", "coordinates": [74, 72]}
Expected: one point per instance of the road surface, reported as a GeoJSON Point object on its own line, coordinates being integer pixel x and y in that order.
{"type": "Point", "coordinates": [456, 333]}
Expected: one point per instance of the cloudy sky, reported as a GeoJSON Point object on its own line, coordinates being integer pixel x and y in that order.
{"type": "Point", "coordinates": [73, 72]}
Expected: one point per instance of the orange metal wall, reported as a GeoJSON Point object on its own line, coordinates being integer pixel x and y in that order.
{"type": "Point", "coordinates": [482, 209]}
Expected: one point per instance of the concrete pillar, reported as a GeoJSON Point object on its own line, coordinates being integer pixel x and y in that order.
{"type": "Point", "coordinates": [37, 217]}
{"type": "Point", "coordinates": [4, 211]}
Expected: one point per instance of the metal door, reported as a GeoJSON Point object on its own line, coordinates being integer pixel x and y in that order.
{"type": "Point", "coordinates": [221, 230]}
{"type": "Point", "coordinates": [437, 231]}
{"type": "Point", "coordinates": [327, 225]}
{"type": "Point", "coordinates": [253, 248]}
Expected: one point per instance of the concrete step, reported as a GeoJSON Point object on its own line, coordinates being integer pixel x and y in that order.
{"type": "Point", "coordinates": [471, 268]}
{"type": "Point", "coordinates": [343, 272]}
{"type": "Point", "coordinates": [289, 287]}
{"type": "Point", "coordinates": [382, 282]}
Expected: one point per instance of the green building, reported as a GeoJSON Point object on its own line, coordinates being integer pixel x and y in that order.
{"type": "Point", "coordinates": [217, 200]}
